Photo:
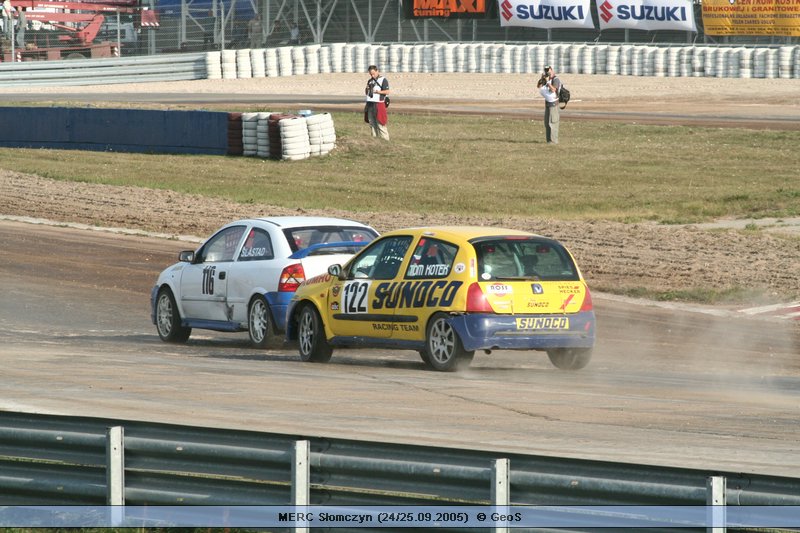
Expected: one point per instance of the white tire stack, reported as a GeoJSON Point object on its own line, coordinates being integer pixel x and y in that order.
{"type": "Point", "coordinates": [337, 57]}
{"type": "Point", "coordinates": [601, 59]}
{"type": "Point", "coordinates": [229, 64]}
{"type": "Point", "coordinates": [321, 133]}
{"type": "Point", "coordinates": [785, 61]}
{"type": "Point", "coordinates": [380, 57]}
{"type": "Point", "coordinates": [395, 57]}
{"type": "Point", "coordinates": [612, 60]}
{"type": "Point", "coordinates": [271, 62]}
{"type": "Point", "coordinates": [746, 63]}
{"type": "Point", "coordinates": [262, 135]}
{"type": "Point", "coordinates": [686, 69]}
{"type": "Point", "coordinates": [298, 60]}
{"type": "Point", "coordinates": [214, 65]}
{"type": "Point", "coordinates": [427, 57]}
{"type": "Point", "coordinates": [674, 61]}
{"type": "Point", "coordinates": [733, 63]}
{"type": "Point", "coordinates": [771, 63]}
{"type": "Point", "coordinates": [698, 62]}
{"type": "Point", "coordinates": [285, 67]}
{"type": "Point", "coordinates": [722, 62]}
{"type": "Point", "coordinates": [311, 57]}
{"type": "Point", "coordinates": [637, 60]}
{"type": "Point", "coordinates": [588, 55]}
{"type": "Point", "coordinates": [295, 144]}
{"type": "Point", "coordinates": [258, 63]}
{"type": "Point", "coordinates": [348, 58]}
{"type": "Point", "coordinates": [660, 62]}
{"type": "Point", "coordinates": [243, 67]}
{"type": "Point", "coordinates": [249, 135]}
{"type": "Point", "coordinates": [710, 62]}
{"type": "Point", "coordinates": [648, 61]}
{"type": "Point", "coordinates": [324, 60]}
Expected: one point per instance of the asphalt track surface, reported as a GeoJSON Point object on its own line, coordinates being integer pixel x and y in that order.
{"type": "Point", "coordinates": [665, 386]}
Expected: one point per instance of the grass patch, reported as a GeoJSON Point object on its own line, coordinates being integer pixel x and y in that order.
{"type": "Point", "coordinates": [482, 165]}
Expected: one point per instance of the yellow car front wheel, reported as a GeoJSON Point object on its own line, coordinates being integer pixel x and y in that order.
{"type": "Point", "coordinates": [311, 339]}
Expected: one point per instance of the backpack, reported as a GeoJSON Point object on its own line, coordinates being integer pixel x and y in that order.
{"type": "Point", "coordinates": [563, 96]}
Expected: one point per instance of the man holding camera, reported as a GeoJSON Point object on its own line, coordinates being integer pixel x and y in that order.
{"type": "Point", "coordinates": [375, 111]}
{"type": "Point", "coordinates": [549, 85]}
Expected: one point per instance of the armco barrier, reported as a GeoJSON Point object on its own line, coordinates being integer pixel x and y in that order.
{"type": "Point", "coordinates": [50, 460]}
{"type": "Point", "coordinates": [167, 67]}
{"type": "Point", "coordinates": [118, 130]}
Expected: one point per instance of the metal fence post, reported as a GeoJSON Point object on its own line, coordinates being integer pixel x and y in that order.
{"type": "Point", "coordinates": [301, 477]}
{"type": "Point", "coordinates": [501, 491]}
{"type": "Point", "coordinates": [115, 472]}
{"type": "Point", "coordinates": [716, 500]}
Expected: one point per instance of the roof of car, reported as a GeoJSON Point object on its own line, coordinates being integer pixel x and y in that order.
{"type": "Point", "coordinates": [303, 221]}
{"type": "Point", "coordinates": [463, 232]}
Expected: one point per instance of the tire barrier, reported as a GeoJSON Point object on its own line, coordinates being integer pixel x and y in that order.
{"type": "Point", "coordinates": [321, 133]}
{"type": "Point", "coordinates": [284, 136]}
{"type": "Point", "coordinates": [672, 60]}
{"type": "Point", "coordinates": [235, 136]}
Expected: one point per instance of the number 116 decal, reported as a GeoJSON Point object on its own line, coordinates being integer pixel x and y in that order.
{"type": "Point", "coordinates": [355, 297]}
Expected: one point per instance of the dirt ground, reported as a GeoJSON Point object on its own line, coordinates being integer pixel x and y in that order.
{"type": "Point", "coordinates": [613, 256]}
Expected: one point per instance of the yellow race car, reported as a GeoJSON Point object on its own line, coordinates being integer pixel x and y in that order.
{"type": "Point", "coordinates": [447, 292]}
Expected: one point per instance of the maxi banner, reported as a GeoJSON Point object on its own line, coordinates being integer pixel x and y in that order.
{"type": "Point", "coordinates": [546, 13]}
{"type": "Point", "coordinates": [445, 9]}
{"type": "Point", "coordinates": [752, 17]}
{"type": "Point", "coordinates": [647, 15]}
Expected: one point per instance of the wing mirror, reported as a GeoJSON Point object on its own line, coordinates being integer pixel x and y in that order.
{"type": "Point", "coordinates": [186, 256]}
{"type": "Point", "coordinates": [336, 271]}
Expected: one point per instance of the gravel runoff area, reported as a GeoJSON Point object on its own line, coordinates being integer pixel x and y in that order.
{"type": "Point", "coordinates": [612, 255]}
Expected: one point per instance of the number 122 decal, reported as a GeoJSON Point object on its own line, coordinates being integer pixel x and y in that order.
{"type": "Point", "coordinates": [355, 297]}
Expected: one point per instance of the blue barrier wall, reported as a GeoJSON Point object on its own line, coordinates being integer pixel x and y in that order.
{"type": "Point", "coordinates": [115, 130]}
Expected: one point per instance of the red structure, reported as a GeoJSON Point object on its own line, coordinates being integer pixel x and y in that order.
{"type": "Point", "coordinates": [73, 27]}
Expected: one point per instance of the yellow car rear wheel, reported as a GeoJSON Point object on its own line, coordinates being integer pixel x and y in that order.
{"type": "Point", "coordinates": [570, 358]}
{"type": "Point", "coordinates": [443, 348]}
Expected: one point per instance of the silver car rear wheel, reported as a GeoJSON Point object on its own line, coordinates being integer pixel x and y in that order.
{"type": "Point", "coordinates": [259, 322]}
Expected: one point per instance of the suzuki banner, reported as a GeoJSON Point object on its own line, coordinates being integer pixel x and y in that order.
{"type": "Point", "coordinates": [752, 17]}
{"type": "Point", "coordinates": [546, 13]}
{"type": "Point", "coordinates": [646, 15]}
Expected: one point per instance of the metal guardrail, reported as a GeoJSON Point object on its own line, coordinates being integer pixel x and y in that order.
{"type": "Point", "coordinates": [166, 67]}
{"type": "Point", "coordinates": [58, 460]}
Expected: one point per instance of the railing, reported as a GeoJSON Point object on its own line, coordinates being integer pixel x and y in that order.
{"type": "Point", "coordinates": [59, 460]}
{"type": "Point", "coordinates": [167, 67]}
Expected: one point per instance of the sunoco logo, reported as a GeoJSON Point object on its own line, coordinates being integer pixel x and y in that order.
{"type": "Point", "coordinates": [605, 11]}
{"type": "Point", "coordinates": [506, 10]}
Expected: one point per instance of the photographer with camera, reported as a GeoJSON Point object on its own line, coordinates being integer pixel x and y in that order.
{"type": "Point", "coordinates": [375, 109]}
{"type": "Point", "coordinates": [549, 85]}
